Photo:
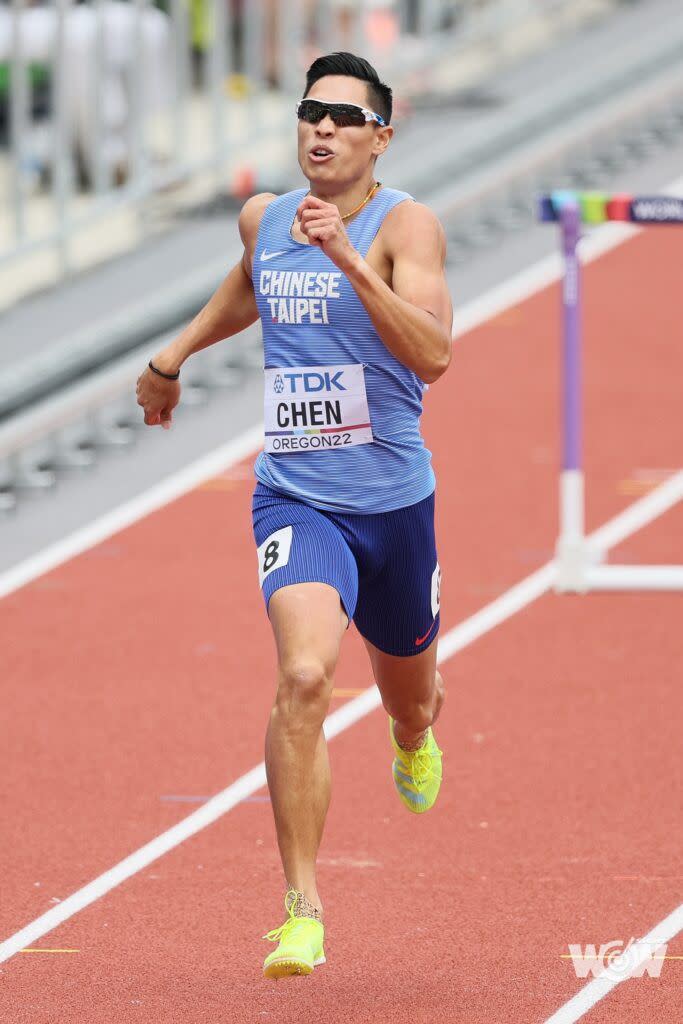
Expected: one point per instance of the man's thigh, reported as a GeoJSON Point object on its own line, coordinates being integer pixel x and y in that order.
{"type": "Point", "coordinates": [397, 611]}
{"type": "Point", "coordinates": [307, 573]}
{"type": "Point", "coordinates": [308, 622]}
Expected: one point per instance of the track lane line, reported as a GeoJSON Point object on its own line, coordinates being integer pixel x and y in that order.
{"type": "Point", "coordinates": [465, 633]}
{"type": "Point", "coordinates": [491, 303]}
{"type": "Point", "coordinates": [639, 514]}
{"type": "Point", "coordinates": [174, 486]}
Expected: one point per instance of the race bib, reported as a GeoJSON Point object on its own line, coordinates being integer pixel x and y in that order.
{"type": "Point", "coordinates": [315, 408]}
{"type": "Point", "coordinates": [436, 590]}
{"type": "Point", "coordinates": [274, 552]}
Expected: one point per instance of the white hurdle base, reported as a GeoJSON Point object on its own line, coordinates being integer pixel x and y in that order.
{"type": "Point", "coordinates": [635, 577]}
{"type": "Point", "coordinates": [580, 578]}
{"type": "Point", "coordinates": [579, 560]}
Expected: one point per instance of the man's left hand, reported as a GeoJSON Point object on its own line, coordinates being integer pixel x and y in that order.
{"type": "Point", "coordinates": [322, 224]}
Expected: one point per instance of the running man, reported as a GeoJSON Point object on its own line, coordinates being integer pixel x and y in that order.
{"type": "Point", "coordinates": [348, 280]}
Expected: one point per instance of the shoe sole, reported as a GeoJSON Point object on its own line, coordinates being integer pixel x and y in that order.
{"type": "Point", "coordinates": [287, 967]}
{"type": "Point", "coordinates": [417, 810]}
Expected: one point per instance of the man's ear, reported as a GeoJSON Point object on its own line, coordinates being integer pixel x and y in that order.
{"type": "Point", "coordinates": [382, 139]}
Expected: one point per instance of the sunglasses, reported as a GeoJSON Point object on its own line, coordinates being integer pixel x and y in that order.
{"type": "Point", "coordinates": [344, 115]}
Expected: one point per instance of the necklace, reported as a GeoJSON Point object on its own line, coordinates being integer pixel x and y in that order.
{"type": "Point", "coordinates": [366, 200]}
{"type": "Point", "coordinates": [345, 216]}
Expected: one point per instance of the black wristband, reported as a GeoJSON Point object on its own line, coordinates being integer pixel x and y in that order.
{"type": "Point", "coordinates": [168, 376]}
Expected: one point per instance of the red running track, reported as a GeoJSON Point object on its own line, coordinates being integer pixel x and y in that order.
{"type": "Point", "coordinates": [143, 669]}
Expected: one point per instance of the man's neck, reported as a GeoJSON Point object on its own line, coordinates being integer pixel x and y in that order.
{"type": "Point", "coordinates": [346, 199]}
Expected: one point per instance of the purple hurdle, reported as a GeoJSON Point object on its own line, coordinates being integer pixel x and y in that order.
{"type": "Point", "coordinates": [578, 558]}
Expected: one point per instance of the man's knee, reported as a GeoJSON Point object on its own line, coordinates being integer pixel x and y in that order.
{"type": "Point", "coordinates": [304, 690]}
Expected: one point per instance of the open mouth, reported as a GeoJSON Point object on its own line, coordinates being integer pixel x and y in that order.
{"type": "Point", "coordinates": [320, 154]}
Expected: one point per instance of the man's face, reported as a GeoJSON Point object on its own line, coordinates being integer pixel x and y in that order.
{"type": "Point", "coordinates": [352, 149]}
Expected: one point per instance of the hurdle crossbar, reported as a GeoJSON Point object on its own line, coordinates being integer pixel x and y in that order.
{"type": "Point", "coordinates": [580, 567]}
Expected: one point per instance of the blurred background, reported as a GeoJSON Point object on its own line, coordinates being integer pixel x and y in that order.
{"type": "Point", "coordinates": [131, 132]}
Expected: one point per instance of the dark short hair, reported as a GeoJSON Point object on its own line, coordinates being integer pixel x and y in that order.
{"type": "Point", "coordinates": [380, 96]}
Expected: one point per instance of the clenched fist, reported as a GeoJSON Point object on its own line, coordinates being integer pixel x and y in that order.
{"type": "Point", "coordinates": [322, 224]}
{"type": "Point", "coordinates": [158, 397]}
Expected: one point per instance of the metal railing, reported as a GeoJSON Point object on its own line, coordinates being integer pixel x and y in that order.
{"type": "Point", "coordinates": [142, 99]}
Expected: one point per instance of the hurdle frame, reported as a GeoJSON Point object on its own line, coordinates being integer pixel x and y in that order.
{"type": "Point", "coordinates": [581, 568]}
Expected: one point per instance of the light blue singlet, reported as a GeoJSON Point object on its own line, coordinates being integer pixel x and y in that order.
{"type": "Point", "coordinates": [320, 347]}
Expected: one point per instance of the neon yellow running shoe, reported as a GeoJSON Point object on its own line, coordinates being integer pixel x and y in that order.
{"type": "Point", "coordinates": [417, 773]}
{"type": "Point", "coordinates": [300, 944]}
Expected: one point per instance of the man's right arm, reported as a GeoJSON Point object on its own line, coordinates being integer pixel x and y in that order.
{"type": "Point", "coordinates": [231, 308]}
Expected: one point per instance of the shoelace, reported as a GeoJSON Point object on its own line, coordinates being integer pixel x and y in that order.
{"type": "Point", "coordinates": [283, 931]}
{"type": "Point", "coordinates": [421, 766]}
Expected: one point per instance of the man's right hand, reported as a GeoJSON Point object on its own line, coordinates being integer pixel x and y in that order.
{"type": "Point", "coordinates": [157, 396]}
{"type": "Point", "coordinates": [230, 309]}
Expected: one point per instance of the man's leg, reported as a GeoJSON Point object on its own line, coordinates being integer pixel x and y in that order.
{"type": "Point", "coordinates": [308, 622]}
{"type": "Point", "coordinates": [412, 691]}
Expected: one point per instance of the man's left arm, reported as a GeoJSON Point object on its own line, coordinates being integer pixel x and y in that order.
{"type": "Point", "coordinates": [414, 316]}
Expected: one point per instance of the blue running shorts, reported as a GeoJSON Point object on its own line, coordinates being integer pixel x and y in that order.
{"type": "Point", "coordinates": [383, 565]}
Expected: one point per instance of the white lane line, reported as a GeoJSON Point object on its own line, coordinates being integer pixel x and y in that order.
{"type": "Point", "coordinates": [639, 514]}
{"type": "Point", "coordinates": [599, 987]}
{"type": "Point", "coordinates": [465, 633]}
{"type": "Point", "coordinates": [538, 276]}
{"type": "Point", "coordinates": [496, 300]}
{"type": "Point", "coordinates": [130, 512]}
{"type": "Point", "coordinates": [502, 608]}
{"type": "Point", "coordinates": [135, 862]}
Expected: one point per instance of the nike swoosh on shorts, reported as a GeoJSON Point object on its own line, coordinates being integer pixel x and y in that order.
{"type": "Point", "coordinates": [271, 255]}
{"type": "Point", "coordinates": [421, 639]}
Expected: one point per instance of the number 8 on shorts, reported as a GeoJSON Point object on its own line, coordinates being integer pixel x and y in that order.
{"type": "Point", "coordinates": [274, 552]}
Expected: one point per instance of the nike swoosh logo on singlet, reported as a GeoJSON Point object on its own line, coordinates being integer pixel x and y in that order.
{"type": "Point", "coordinates": [421, 639]}
{"type": "Point", "coordinates": [271, 255]}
